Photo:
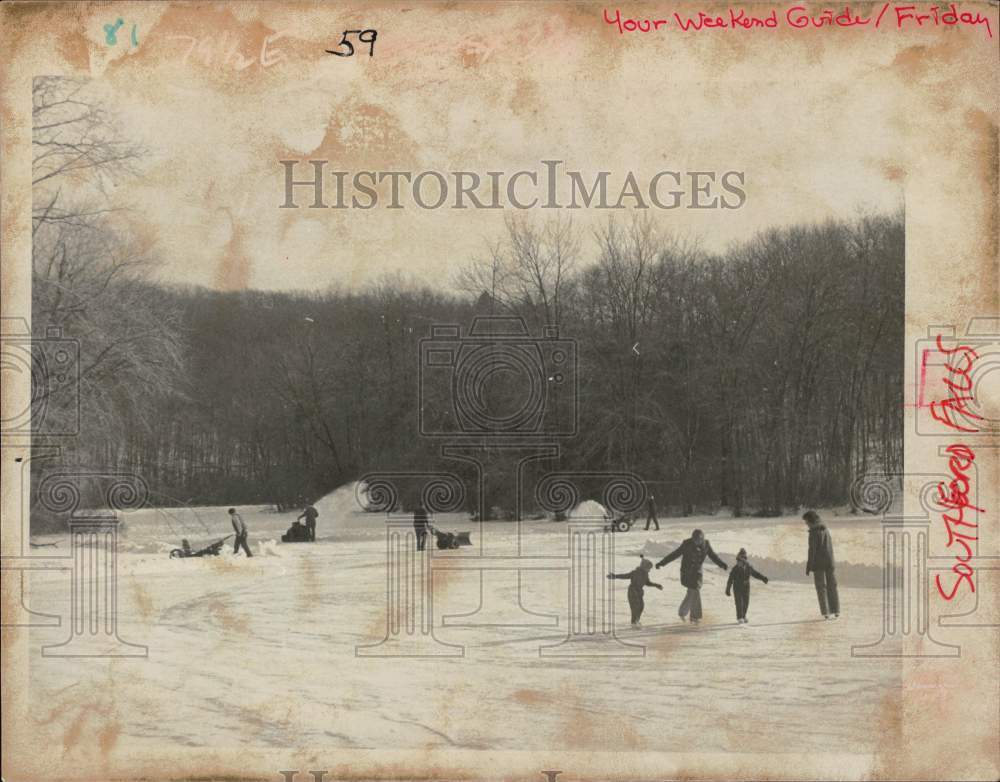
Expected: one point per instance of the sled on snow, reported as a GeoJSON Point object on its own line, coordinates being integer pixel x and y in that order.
{"type": "Point", "coordinates": [621, 524]}
{"type": "Point", "coordinates": [448, 540]}
{"type": "Point", "coordinates": [211, 550]}
{"type": "Point", "coordinates": [297, 533]}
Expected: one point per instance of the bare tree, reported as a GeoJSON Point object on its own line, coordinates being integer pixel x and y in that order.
{"type": "Point", "coordinates": [528, 271]}
{"type": "Point", "coordinates": [89, 276]}
{"type": "Point", "coordinates": [73, 136]}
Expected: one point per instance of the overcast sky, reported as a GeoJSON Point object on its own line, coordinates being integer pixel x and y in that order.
{"type": "Point", "coordinates": [490, 93]}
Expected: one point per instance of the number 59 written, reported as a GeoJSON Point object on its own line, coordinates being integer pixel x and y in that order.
{"type": "Point", "coordinates": [364, 36]}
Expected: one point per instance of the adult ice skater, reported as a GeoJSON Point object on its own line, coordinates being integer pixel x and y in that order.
{"type": "Point", "coordinates": [821, 564]}
{"type": "Point", "coordinates": [692, 552]}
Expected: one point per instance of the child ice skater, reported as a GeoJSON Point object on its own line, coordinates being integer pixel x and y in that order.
{"type": "Point", "coordinates": [638, 580]}
{"type": "Point", "coordinates": [739, 584]}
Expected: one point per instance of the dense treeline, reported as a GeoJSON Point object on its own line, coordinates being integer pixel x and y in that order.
{"type": "Point", "coordinates": [761, 378]}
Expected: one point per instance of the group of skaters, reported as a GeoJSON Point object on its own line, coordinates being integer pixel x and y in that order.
{"type": "Point", "coordinates": [692, 553]}
{"type": "Point", "coordinates": [695, 550]}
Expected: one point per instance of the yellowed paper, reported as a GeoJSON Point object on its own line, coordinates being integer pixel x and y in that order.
{"type": "Point", "coordinates": [492, 286]}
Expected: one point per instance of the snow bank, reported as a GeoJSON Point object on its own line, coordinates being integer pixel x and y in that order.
{"type": "Point", "coordinates": [344, 501]}
{"type": "Point", "coordinates": [345, 509]}
{"type": "Point", "coordinates": [589, 509]}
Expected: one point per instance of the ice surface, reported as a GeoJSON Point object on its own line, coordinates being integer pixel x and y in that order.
{"type": "Point", "coordinates": [263, 650]}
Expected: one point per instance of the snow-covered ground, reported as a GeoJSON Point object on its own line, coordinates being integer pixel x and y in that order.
{"type": "Point", "coordinates": [262, 651]}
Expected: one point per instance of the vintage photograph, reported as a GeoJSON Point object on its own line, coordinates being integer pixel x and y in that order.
{"type": "Point", "coordinates": [498, 391]}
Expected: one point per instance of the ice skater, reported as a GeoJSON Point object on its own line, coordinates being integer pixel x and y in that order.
{"type": "Point", "coordinates": [651, 513]}
{"type": "Point", "coordinates": [240, 528]}
{"type": "Point", "coordinates": [739, 584]}
{"type": "Point", "coordinates": [693, 552]}
{"type": "Point", "coordinates": [638, 581]}
{"type": "Point", "coordinates": [821, 564]}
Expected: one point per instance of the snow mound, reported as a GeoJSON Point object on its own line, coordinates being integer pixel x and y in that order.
{"type": "Point", "coordinates": [589, 509]}
{"type": "Point", "coordinates": [341, 505]}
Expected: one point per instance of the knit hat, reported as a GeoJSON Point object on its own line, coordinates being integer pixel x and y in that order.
{"type": "Point", "coordinates": [646, 564]}
{"type": "Point", "coordinates": [742, 554]}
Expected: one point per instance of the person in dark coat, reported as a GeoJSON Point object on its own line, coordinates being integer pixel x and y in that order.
{"type": "Point", "coordinates": [296, 534]}
{"type": "Point", "coordinates": [310, 514]}
{"type": "Point", "coordinates": [821, 564]}
{"type": "Point", "coordinates": [739, 584]}
{"type": "Point", "coordinates": [651, 513]}
{"type": "Point", "coordinates": [420, 526]}
{"type": "Point", "coordinates": [638, 580]}
{"type": "Point", "coordinates": [692, 553]}
{"type": "Point", "coordinates": [240, 527]}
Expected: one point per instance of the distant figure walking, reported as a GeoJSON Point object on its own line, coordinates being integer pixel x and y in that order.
{"type": "Point", "coordinates": [310, 514]}
{"type": "Point", "coordinates": [821, 564]}
{"type": "Point", "coordinates": [739, 584]}
{"type": "Point", "coordinates": [693, 552]}
{"type": "Point", "coordinates": [638, 580]}
{"type": "Point", "coordinates": [420, 526]}
{"type": "Point", "coordinates": [651, 513]}
{"type": "Point", "coordinates": [240, 527]}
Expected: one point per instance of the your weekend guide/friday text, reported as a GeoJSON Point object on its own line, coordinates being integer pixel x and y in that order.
{"type": "Point", "coordinates": [896, 16]}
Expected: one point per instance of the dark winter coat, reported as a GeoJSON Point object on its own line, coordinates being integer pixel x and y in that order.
{"type": "Point", "coordinates": [310, 514]}
{"type": "Point", "coordinates": [296, 534]}
{"type": "Point", "coordinates": [739, 577]}
{"type": "Point", "coordinates": [420, 520]}
{"type": "Point", "coordinates": [692, 557]}
{"type": "Point", "coordinates": [820, 550]}
{"type": "Point", "coordinates": [637, 579]}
